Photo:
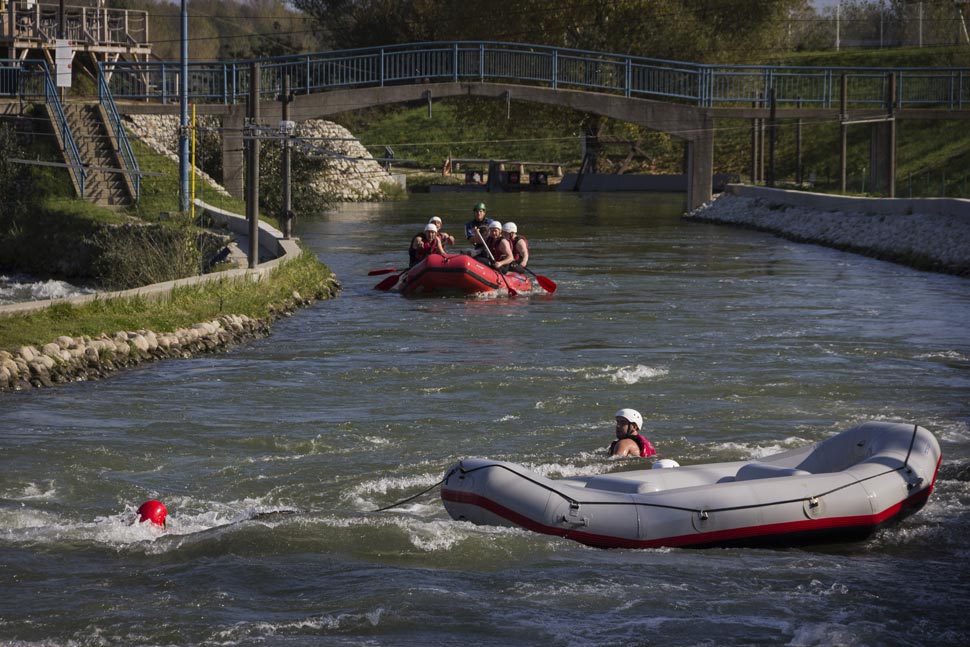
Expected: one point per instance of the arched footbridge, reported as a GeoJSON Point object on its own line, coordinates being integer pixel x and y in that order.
{"type": "Point", "coordinates": [682, 99]}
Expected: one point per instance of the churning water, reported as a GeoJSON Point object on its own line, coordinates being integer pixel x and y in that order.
{"type": "Point", "coordinates": [732, 343]}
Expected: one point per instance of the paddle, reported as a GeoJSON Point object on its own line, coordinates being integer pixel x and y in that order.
{"type": "Point", "coordinates": [384, 271]}
{"type": "Point", "coordinates": [389, 282]}
{"type": "Point", "coordinates": [508, 287]}
{"type": "Point", "coordinates": [547, 284]}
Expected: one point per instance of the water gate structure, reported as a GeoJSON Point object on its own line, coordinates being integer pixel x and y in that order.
{"type": "Point", "coordinates": [682, 99]}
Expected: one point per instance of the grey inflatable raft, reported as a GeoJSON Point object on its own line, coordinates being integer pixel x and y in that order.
{"type": "Point", "coordinates": [840, 489]}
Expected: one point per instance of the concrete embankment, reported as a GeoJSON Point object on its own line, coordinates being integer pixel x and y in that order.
{"type": "Point", "coordinates": [69, 359]}
{"type": "Point", "coordinates": [926, 233]}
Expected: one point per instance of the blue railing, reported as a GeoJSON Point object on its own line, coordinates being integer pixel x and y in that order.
{"type": "Point", "coordinates": [30, 80]}
{"type": "Point", "coordinates": [74, 163]}
{"type": "Point", "coordinates": [691, 83]}
{"type": "Point", "coordinates": [124, 146]}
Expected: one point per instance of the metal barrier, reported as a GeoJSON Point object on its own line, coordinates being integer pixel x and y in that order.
{"type": "Point", "coordinates": [30, 80]}
{"type": "Point", "coordinates": [124, 146]}
{"type": "Point", "coordinates": [74, 162]}
{"type": "Point", "coordinates": [691, 83]}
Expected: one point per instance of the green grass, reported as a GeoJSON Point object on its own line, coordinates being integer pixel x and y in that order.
{"type": "Point", "coordinates": [160, 193]}
{"type": "Point", "coordinates": [185, 306]}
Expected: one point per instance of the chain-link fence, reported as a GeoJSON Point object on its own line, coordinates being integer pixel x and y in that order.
{"type": "Point", "coordinates": [874, 24]}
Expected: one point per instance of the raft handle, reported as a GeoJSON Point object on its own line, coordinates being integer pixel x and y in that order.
{"type": "Point", "coordinates": [813, 502]}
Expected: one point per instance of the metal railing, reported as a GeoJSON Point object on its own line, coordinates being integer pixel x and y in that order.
{"type": "Point", "coordinates": [124, 146]}
{"type": "Point", "coordinates": [30, 80]}
{"type": "Point", "coordinates": [81, 24]}
{"type": "Point", "coordinates": [630, 76]}
{"type": "Point", "coordinates": [74, 163]}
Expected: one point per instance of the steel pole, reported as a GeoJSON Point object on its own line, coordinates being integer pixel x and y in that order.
{"type": "Point", "coordinates": [184, 115]}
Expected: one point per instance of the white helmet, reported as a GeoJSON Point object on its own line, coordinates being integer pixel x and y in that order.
{"type": "Point", "coordinates": [665, 463]}
{"type": "Point", "coordinates": [632, 415]}
{"type": "Point", "coordinates": [495, 224]}
{"type": "Point", "coordinates": [436, 220]}
{"type": "Point", "coordinates": [510, 228]}
{"type": "Point", "coordinates": [431, 227]}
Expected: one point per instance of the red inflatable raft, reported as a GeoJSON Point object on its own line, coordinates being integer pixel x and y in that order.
{"type": "Point", "coordinates": [440, 275]}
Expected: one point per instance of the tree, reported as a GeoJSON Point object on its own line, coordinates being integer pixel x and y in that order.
{"type": "Point", "coordinates": [682, 29]}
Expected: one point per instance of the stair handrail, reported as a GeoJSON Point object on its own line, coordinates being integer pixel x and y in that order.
{"type": "Point", "coordinates": [127, 155]}
{"type": "Point", "coordinates": [75, 164]}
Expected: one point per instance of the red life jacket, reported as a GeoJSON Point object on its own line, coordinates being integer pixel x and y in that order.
{"type": "Point", "coordinates": [419, 254]}
{"type": "Point", "coordinates": [495, 246]}
{"type": "Point", "coordinates": [646, 448]}
{"type": "Point", "coordinates": [515, 241]}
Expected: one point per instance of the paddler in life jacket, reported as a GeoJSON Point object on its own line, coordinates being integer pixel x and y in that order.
{"type": "Point", "coordinates": [520, 246]}
{"type": "Point", "coordinates": [476, 229]}
{"type": "Point", "coordinates": [499, 246]}
{"type": "Point", "coordinates": [446, 239]}
{"type": "Point", "coordinates": [425, 244]}
{"type": "Point", "coordinates": [628, 441]}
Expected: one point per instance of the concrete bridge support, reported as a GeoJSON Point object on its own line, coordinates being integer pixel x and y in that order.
{"type": "Point", "coordinates": [700, 168]}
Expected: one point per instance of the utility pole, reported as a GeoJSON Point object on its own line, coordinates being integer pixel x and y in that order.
{"type": "Point", "coordinates": [286, 130]}
{"type": "Point", "coordinates": [891, 136]}
{"type": "Point", "coordinates": [772, 135]}
{"type": "Point", "coordinates": [184, 115]}
{"type": "Point", "coordinates": [252, 166]}
{"type": "Point", "coordinates": [843, 133]}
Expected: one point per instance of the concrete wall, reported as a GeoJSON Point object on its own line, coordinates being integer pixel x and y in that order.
{"type": "Point", "coordinates": [271, 240]}
{"type": "Point", "coordinates": [824, 202]}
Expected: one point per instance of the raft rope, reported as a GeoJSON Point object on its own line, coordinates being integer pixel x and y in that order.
{"type": "Point", "coordinates": [415, 496]}
{"type": "Point", "coordinates": [575, 503]}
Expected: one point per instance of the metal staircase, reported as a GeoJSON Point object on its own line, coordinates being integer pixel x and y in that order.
{"type": "Point", "coordinates": [107, 183]}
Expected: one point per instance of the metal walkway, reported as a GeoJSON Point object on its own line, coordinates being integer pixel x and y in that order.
{"type": "Point", "coordinates": [705, 86]}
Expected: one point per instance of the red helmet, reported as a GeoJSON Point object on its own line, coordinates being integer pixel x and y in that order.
{"type": "Point", "coordinates": [154, 511]}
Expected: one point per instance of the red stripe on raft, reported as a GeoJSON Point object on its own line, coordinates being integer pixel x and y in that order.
{"type": "Point", "coordinates": [721, 537]}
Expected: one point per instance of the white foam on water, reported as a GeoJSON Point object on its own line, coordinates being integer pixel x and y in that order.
{"type": "Point", "coordinates": [186, 517]}
{"type": "Point", "coordinates": [35, 492]}
{"type": "Point", "coordinates": [17, 289]}
{"type": "Point", "coordinates": [633, 374]}
{"type": "Point", "coordinates": [361, 495]}
{"type": "Point", "coordinates": [328, 622]}
{"type": "Point", "coordinates": [615, 374]}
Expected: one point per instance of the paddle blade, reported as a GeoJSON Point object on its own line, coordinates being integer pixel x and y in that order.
{"type": "Point", "coordinates": [388, 283]}
{"type": "Point", "coordinates": [546, 283]}
{"type": "Point", "coordinates": [384, 271]}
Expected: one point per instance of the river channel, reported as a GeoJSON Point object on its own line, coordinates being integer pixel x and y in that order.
{"type": "Point", "coordinates": [732, 343]}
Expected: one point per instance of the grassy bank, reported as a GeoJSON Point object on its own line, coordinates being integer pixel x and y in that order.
{"type": "Point", "coordinates": [186, 306]}
{"type": "Point", "coordinates": [55, 212]}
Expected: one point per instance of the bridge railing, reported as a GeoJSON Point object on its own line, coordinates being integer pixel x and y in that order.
{"type": "Point", "coordinates": [690, 83]}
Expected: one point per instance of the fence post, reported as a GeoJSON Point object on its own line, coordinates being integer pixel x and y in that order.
{"type": "Point", "coordinates": [454, 75]}
{"type": "Point", "coordinates": [481, 62]}
{"type": "Point", "coordinates": [629, 76]}
{"type": "Point", "coordinates": [555, 69]}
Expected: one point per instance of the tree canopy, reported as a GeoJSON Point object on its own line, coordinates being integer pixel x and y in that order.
{"type": "Point", "coordinates": [695, 30]}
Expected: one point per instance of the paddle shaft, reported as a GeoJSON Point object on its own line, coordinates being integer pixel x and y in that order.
{"type": "Point", "coordinates": [491, 256]}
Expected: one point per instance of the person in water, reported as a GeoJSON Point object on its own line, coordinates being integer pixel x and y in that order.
{"type": "Point", "coordinates": [425, 244]}
{"type": "Point", "coordinates": [446, 239]}
{"type": "Point", "coordinates": [153, 511]}
{"type": "Point", "coordinates": [629, 441]}
{"type": "Point", "coordinates": [520, 246]}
